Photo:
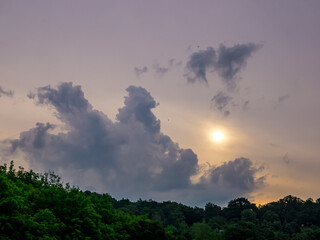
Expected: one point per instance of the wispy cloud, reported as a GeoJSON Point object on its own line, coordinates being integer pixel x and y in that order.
{"type": "Point", "coordinates": [6, 93]}
{"type": "Point", "coordinates": [139, 71]}
{"type": "Point", "coordinates": [220, 102]}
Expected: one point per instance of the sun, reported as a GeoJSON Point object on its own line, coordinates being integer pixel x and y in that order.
{"type": "Point", "coordinates": [217, 136]}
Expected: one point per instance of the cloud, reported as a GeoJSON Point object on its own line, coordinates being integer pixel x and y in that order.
{"type": "Point", "coordinates": [286, 159]}
{"type": "Point", "coordinates": [6, 93]}
{"type": "Point", "coordinates": [198, 64]}
{"type": "Point", "coordinates": [232, 60]}
{"type": "Point", "coordinates": [160, 71]}
{"type": "Point", "coordinates": [246, 105]}
{"type": "Point", "coordinates": [226, 61]}
{"type": "Point", "coordinates": [237, 174]}
{"type": "Point", "coordinates": [221, 101]}
{"type": "Point", "coordinates": [283, 98]}
{"type": "Point", "coordinates": [129, 157]}
{"type": "Point", "coordinates": [140, 71]}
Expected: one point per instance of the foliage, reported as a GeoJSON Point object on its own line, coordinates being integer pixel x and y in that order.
{"type": "Point", "coordinates": [39, 206]}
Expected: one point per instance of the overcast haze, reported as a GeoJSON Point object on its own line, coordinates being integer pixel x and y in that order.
{"type": "Point", "coordinates": [123, 97]}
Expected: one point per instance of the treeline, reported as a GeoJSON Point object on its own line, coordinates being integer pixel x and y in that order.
{"type": "Point", "coordinates": [39, 206]}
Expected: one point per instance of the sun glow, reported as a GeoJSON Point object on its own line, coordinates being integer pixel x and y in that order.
{"type": "Point", "coordinates": [217, 136]}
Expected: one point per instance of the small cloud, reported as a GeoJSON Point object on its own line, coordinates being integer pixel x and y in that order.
{"type": "Point", "coordinates": [160, 71]}
{"type": "Point", "coordinates": [286, 159]}
{"type": "Point", "coordinates": [238, 173]}
{"type": "Point", "coordinates": [226, 113]}
{"type": "Point", "coordinates": [171, 62]}
{"type": "Point", "coordinates": [232, 60]}
{"type": "Point", "coordinates": [31, 95]}
{"type": "Point", "coordinates": [283, 98]}
{"type": "Point", "coordinates": [140, 71]}
{"type": "Point", "coordinates": [226, 61]}
{"type": "Point", "coordinates": [198, 64]}
{"type": "Point", "coordinates": [221, 101]}
{"type": "Point", "coordinates": [6, 93]}
{"type": "Point", "coordinates": [245, 105]}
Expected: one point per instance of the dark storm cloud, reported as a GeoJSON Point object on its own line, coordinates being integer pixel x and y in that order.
{"type": "Point", "coordinates": [6, 93]}
{"type": "Point", "coordinates": [139, 71]}
{"type": "Point", "coordinates": [221, 101]}
{"type": "Point", "coordinates": [130, 157]}
{"type": "Point", "coordinates": [198, 64]}
{"type": "Point", "coordinates": [226, 61]}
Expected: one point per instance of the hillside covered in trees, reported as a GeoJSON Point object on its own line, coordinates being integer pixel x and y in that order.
{"type": "Point", "coordinates": [39, 206]}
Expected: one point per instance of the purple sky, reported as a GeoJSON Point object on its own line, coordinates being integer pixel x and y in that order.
{"type": "Point", "coordinates": [247, 68]}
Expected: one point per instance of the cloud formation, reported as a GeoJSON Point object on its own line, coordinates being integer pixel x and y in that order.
{"type": "Point", "coordinates": [226, 61]}
{"type": "Point", "coordinates": [139, 71]}
{"type": "Point", "coordinates": [6, 93]}
{"type": "Point", "coordinates": [220, 102]}
{"type": "Point", "coordinates": [198, 64]}
{"type": "Point", "coordinates": [232, 60]}
{"type": "Point", "coordinates": [238, 174]}
{"type": "Point", "coordinates": [130, 157]}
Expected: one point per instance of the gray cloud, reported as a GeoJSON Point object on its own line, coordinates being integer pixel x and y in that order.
{"type": "Point", "coordinates": [221, 101]}
{"type": "Point", "coordinates": [286, 159]}
{"type": "Point", "coordinates": [6, 93]}
{"type": "Point", "coordinates": [139, 71]}
{"type": "Point", "coordinates": [226, 61]}
{"type": "Point", "coordinates": [198, 64]}
{"type": "Point", "coordinates": [232, 60]}
{"type": "Point", "coordinates": [160, 71]}
{"type": "Point", "coordinates": [238, 174]}
{"type": "Point", "coordinates": [246, 105]}
{"type": "Point", "coordinates": [130, 157]}
{"type": "Point", "coordinates": [283, 98]}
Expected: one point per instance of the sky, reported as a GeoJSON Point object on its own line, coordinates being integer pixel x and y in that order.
{"type": "Point", "coordinates": [125, 97]}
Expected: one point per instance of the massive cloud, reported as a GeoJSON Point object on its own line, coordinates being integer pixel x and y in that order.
{"type": "Point", "coordinates": [130, 157]}
{"type": "Point", "coordinates": [226, 61]}
{"type": "Point", "coordinates": [6, 93]}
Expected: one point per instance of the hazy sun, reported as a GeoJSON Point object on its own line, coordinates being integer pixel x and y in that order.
{"type": "Point", "coordinates": [217, 136]}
